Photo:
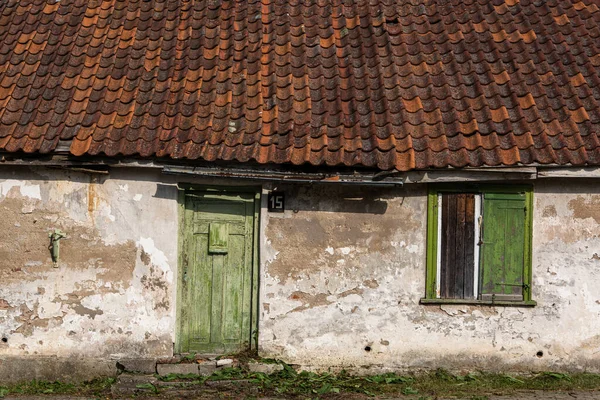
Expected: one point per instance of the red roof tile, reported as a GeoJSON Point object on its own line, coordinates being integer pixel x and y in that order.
{"type": "Point", "coordinates": [380, 83]}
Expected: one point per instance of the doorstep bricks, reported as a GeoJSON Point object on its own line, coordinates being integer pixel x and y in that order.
{"type": "Point", "coordinates": [266, 369]}
{"type": "Point", "coordinates": [184, 369]}
{"type": "Point", "coordinates": [138, 365]}
{"type": "Point", "coordinates": [204, 369]}
{"type": "Point", "coordinates": [207, 368]}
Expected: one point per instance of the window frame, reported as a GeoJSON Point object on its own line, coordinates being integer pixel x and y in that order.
{"type": "Point", "coordinates": [432, 241]}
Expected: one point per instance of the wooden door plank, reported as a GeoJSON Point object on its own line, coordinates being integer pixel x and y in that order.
{"type": "Point", "coordinates": [216, 311]}
{"type": "Point", "coordinates": [186, 262]}
{"type": "Point", "coordinates": [445, 251]}
{"type": "Point", "coordinates": [247, 305]}
{"type": "Point", "coordinates": [199, 286]}
{"type": "Point", "coordinates": [448, 265]}
{"type": "Point", "coordinates": [514, 251]}
{"type": "Point", "coordinates": [233, 291]}
{"type": "Point", "coordinates": [469, 248]}
{"type": "Point", "coordinates": [459, 254]}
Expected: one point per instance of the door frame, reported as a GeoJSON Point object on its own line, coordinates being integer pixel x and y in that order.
{"type": "Point", "coordinates": [183, 190]}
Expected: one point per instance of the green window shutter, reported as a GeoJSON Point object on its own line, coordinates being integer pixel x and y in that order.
{"type": "Point", "coordinates": [503, 246]}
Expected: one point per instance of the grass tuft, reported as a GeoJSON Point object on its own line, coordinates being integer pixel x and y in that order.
{"type": "Point", "coordinates": [289, 382]}
{"type": "Point", "coordinates": [96, 387]}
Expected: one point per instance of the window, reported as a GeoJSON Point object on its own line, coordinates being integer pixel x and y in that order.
{"type": "Point", "coordinates": [479, 245]}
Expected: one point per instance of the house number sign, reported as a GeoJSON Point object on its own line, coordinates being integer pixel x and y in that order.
{"type": "Point", "coordinates": [276, 202]}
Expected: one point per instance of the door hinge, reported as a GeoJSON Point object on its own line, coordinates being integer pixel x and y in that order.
{"type": "Point", "coordinates": [523, 285]}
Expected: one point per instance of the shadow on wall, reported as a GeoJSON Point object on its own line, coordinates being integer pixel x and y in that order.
{"type": "Point", "coordinates": [168, 192]}
{"type": "Point", "coordinates": [319, 197]}
{"type": "Point", "coordinates": [58, 174]}
{"type": "Point", "coordinates": [345, 199]}
{"type": "Point", "coordinates": [49, 174]}
{"type": "Point", "coordinates": [567, 186]}
{"type": "Point", "coordinates": [299, 197]}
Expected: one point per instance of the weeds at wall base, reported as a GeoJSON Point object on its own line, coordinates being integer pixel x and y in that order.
{"type": "Point", "coordinates": [289, 382]}
{"type": "Point", "coordinates": [95, 387]}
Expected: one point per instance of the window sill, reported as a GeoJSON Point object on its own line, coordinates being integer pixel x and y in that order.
{"type": "Point", "coordinates": [525, 303]}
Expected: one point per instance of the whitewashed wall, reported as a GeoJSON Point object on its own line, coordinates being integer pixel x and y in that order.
{"type": "Point", "coordinates": [111, 294]}
{"type": "Point", "coordinates": [346, 272]}
{"type": "Point", "coordinates": [341, 270]}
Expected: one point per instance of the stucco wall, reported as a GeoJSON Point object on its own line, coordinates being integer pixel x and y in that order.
{"type": "Point", "coordinates": [111, 295]}
{"type": "Point", "coordinates": [345, 269]}
{"type": "Point", "coordinates": [342, 269]}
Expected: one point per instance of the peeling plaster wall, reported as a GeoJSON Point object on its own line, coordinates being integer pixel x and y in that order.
{"type": "Point", "coordinates": [341, 270]}
{"type": "Point", "coordinates": [111, 295]}
{"type": "Point", "coordinates": [344, 270]}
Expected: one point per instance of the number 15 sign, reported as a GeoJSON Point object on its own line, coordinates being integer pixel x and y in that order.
{"type": "Point", "coordinates": [276, 202]}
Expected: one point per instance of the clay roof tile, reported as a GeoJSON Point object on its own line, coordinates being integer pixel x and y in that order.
{"type": "Point", "coordinates": [386, 84]}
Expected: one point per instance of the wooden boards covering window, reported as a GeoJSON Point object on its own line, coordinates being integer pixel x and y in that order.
{"type": "Point", "coordinates": [457, 264]}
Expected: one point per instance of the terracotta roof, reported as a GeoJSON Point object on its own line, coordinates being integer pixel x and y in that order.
{"type": "Point", "coordinates": [378, 83]}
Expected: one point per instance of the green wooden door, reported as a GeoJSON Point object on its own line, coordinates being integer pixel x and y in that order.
{"type": "Point", "coordinates": [503, 247]}
{"type": "Point", "coordinates": [217, 278]}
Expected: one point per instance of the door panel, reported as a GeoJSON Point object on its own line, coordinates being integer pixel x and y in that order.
{"type": "Point", "coordinates": [217, 272]}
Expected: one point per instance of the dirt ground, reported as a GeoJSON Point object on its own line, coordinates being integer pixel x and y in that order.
{"type": "Point", "coordinates": [533, 395]}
